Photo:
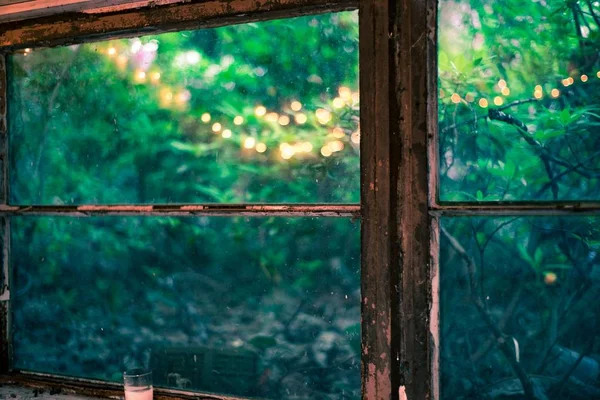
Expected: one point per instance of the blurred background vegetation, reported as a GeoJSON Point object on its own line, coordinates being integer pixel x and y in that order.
{"type": "Point", "coordinates": [264, 112]}
{"type": "Point", "coordinates": [519, 120]}
{"type": "Point", "coordinates": [268, 112]}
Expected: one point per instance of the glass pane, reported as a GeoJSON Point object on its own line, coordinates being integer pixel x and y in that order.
{"type": "Point", "coordinates": [519, 303]}
{"type": "Point", "coordinates": [519, 100]}
{"type": "Point", "coordinates": [261, 112]}
{"type": "Point", "coordinates": [264, 307]}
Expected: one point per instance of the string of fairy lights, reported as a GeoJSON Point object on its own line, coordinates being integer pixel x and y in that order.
{"type": "Point", "coordinates": [293, 113]}
{"type": "Point", "coordinates": [539, 91]}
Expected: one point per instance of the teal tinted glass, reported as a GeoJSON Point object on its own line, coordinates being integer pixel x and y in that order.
{"type": "Point", "coordinates": [262, 307]}
{"type": "Point", "coordinates": [519, 303]}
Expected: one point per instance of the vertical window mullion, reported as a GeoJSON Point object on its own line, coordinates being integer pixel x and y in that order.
{"type": "Point", "coordinates": [398, 84]}
{"type": "Point", "coordinates": [4, 226]}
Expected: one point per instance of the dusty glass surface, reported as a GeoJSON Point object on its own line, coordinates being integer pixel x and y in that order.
{"type": "Point", "coordinates": [264, 307]}
{"type": "Point", "coordinates": [260, 112]}
{"type": "Point", "coordinates": [519, 100]}
{"type": "Point", "coordinates": [519, 307]}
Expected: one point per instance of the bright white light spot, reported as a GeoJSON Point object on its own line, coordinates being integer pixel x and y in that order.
{"type": "Point", "coordinates": [249, 143]}
{"type": "Point", "coordinates": [136, 46]}
{"type": "Point", "coordinates": [192, 57]}
{"type": "Point", "coordinates": [260, 111]}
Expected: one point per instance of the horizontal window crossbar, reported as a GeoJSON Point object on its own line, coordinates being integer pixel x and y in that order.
{"type": "Point", "coordinates": [516, 205]}
{"type": "Point", "coordinates": [289, 210]}
{"type": "Point", "coordinates": [511, 211]}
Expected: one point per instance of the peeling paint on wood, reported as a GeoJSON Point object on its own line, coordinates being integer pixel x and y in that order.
{"type": "Point", "coordinates": [98, 389]}
{"type": "Point", "coordinates": [5, 336]}
{"type": "Point", "coordinates": [380, 259]}
{"type": "Point", "coordinates": [397, 82]}
{"type": "Point", "coordinates": [79, 27]}
{"type": "Point", "coordinates": [434, 322]}
{"type": "Point", "coordinates": [288, 210]}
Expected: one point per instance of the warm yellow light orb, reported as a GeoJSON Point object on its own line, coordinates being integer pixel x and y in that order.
{"type": "Point", "coordinates": [498, 101]}
{"type": "Point", "coordinates": [326, 151]}
{"type": "Point", "coordinates": [226, 133]}
{"type": "Point", "coordinates": [260, 111]}
{"type": "Point", "coordinates": [455, 98]}
{"type": "Point", "coordinates": [584, 78]}
{"type": "Point", "coordinates": [155, 77]}
{"type": "Point", "coordinates": [538, 94]}
{"type": "Point", "coordinates": [112, 51]}
{"type": "Point", "coordinates": [261, 147]}
{"type": "Point", "coordinates": [296, 105]}
{"type": "Point", "coordinates": [287, 152]}
{"type": "Point", "coordinates": [205, 117]}
{"type": "Point", "coordinates": [555, 93]}
{"type": "Point", "coordinates": [345, 93]}
{"type": "Point", "coordinates": [338, 132]}
{"type": "Point", "coordinates": [300, 118]}
{"type": "Point", "coordinates": [336, 145]}
{"type": "Point", "coordinates": [355, 137]}
{"type": "Point", "coordinates": [216, 127]}
{"type": "Point", "coordinates": [306, 147]}
{"type": "Point", "coordinates": [505, 91]}
{"type": "Point", "coordinates": [284, 120]}
{"type": "Point", "coordinates": [338, 102]}
{"type": "Point", "coordinates": [272, 117]}
{"type": "Point", "coordinates": [323, 116]}
{"type": "Point", "coordinates": [140, 76]}
{"type": "Point", "coordinates": [501, 84]}
{"type": "Point", "coordinates": [122, 61]}
{"type": "Point", "coordinates": [238, 120]}
{"type": "Point", "coordinates": [483, 103]}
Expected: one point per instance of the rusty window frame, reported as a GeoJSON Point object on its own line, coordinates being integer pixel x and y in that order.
{"type": "Point", "coordinates": [398, 85]}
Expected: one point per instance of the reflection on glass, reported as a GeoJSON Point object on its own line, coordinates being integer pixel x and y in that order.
{"type": "Point", "coordinates": [519, 307]}
{"type": "Point", "coordinates": [265, 307]}
{"type": "Point", "coordinates": [261, 112]}
{"type": "Point", "coordinates": [519, 100]}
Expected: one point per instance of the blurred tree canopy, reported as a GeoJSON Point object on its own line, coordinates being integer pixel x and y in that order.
{"type": "Point", "coordinates": [261, 112]}
{"type": "Point", "coordinates": [519, 85]}
{"type": "Point", "coordinates": [518, 120]}
{"type": "Point", "coordinates": [268, 112]}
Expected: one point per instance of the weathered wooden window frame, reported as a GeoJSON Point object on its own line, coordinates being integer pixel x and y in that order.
{"type": "Point", "coordinates": [398, 86]}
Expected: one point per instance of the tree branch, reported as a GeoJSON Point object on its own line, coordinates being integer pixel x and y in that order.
{"type": "Point", "coordinates": [526, 382]}
{"type": "Point", "coordinates": [592, 13]}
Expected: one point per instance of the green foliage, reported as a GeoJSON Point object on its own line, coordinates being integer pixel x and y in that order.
{"type": "Point", "coordinates": [530, 49]}
{"type": "Point", "coordinates": [135, 121]}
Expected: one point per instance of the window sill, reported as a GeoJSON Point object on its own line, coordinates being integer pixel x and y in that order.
{"type": "Point", "coordinates": [29, 393]}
